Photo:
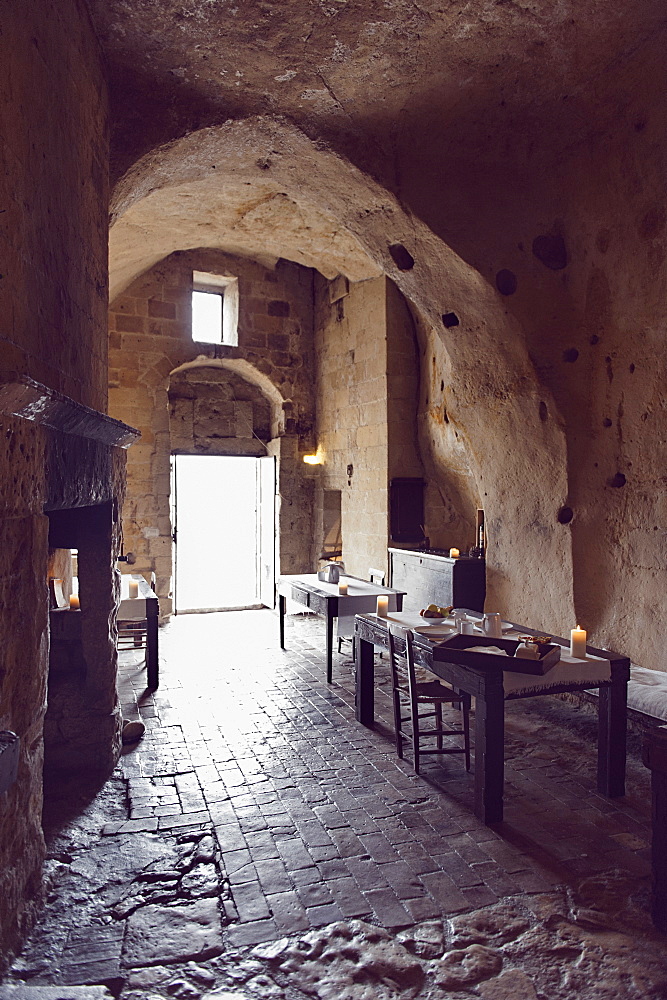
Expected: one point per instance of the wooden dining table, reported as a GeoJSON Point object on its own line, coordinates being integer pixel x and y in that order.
{"type": "Point", "coordinates": [492, 686]}
{"type": "Point", "coordinates": [324, 599]}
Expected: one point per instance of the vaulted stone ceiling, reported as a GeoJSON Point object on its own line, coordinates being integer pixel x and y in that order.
{"type": "Point", "coordinates": [456, 80]}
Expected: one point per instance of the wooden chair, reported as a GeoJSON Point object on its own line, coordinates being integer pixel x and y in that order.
{"type": "Point", "coordinates": [133, 632]}
{"type": "Point", "coordinates": [411, 694]}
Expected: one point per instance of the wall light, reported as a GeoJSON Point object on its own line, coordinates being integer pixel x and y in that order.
{"type": "Point", "coordinates": [316, 459]}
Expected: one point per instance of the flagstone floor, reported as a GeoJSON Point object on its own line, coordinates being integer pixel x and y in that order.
{"type": "Point", "coordinates": [258, 842]}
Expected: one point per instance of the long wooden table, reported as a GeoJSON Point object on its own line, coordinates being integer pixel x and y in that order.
{"type": "Point", "coordinates": [324, 599]}
{"type": "Point", "coordinates": [491, 688]}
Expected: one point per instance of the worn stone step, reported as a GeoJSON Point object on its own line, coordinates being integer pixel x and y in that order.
{"type": "Point", "coordinates": [21, 992]}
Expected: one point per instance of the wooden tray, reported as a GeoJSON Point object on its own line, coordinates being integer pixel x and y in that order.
{"type": "Point", "coordinates": [459, 646]}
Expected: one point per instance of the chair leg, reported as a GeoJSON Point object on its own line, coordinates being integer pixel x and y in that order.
{"type": "Point", "coordinates": [397, 723]}
{"type": "Point", "coordinates": [438, 722]}
{"type": "Point", "coordinates": [415, 736]}
{"type": "Point", "coordinates": [466, 730]}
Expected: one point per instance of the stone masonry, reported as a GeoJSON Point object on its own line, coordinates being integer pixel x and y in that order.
{"type": "Point", "coordinates": [151, 338]}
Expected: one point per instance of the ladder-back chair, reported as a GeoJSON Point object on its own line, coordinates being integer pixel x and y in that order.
{"type": "Point", "coordinates": [410, 695]}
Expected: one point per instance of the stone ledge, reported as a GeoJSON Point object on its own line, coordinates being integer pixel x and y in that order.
{"type": "Point", "coordinates": [21, 396]}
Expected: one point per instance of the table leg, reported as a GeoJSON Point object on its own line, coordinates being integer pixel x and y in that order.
{"type": "Point", "coordinates": [330, 622]}
{"type": "Point", "coordinates": [490, 752]}
{"type": "Point", "coordinates": [364, 699]}
{"type": "Point", "coordinates": [612, 726]}
{"type": "Point", "coordinates": [152, 661]}
{"type": "Point", "coordinates": [282, 601]}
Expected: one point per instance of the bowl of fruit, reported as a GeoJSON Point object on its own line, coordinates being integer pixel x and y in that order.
{"type": "Point", "coordinates": [434, 611]}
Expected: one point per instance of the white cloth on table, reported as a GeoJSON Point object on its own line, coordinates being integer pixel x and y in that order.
{"type": "Point", "coordinates": [593, 670]}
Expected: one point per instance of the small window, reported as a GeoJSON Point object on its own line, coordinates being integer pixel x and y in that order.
{"type": "Point", "coordinates": [215, 308]}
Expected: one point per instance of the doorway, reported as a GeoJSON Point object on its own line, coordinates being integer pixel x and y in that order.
{"type": "Point", "coordinates": [223, 516]}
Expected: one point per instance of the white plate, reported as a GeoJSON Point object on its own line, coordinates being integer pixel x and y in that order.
{"type": "Point", "coordinates": [438, 630]}
{"type": "Point", "coordinates": [505, 626]}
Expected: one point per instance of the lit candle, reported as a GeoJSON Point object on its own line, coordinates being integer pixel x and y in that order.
{"type": "Point", "coordinates": [454, 553]}
{"type": "Point", "coordinates": [74, 602]}
{"type": "Point", "coordinates": [578, 643]}
{"type": "Point", "coordinates": [342, 587]}
{"type": "Point", "coordinates": [382, 606]}
{"type": "Point", "coordinates": [134, 588]}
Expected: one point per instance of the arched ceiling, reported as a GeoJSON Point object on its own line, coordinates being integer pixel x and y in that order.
{"type": "Point", "coordinates": [248, 218]}
{"type": "Point", "coordinates": [458, 80]}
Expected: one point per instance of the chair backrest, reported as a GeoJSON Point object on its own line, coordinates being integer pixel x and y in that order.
{"type": "Point", "coordinates": [406, 634]}
{"type": "Point", "coordinates": [377, 576]}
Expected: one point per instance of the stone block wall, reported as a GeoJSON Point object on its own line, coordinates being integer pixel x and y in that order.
{"type": "Point", "coordinates": [214, 411]}
{"type": "Point", "coordinates": [150, 337]}
{"type": "Point", "coordinates": [351, 345]}
{"type": "Point", "coordinates": [54, 196]}
{"type": "Point", "coordinates": [53, 239]}
{"type": "Point", "coordinates": [368, 403]}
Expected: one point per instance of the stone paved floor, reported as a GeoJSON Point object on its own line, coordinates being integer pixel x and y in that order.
{"type": "Point", "coordinates": [256, 809]}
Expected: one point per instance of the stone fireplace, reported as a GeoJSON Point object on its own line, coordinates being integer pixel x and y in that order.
{"type": "Point", "coordinates": [62, 474]}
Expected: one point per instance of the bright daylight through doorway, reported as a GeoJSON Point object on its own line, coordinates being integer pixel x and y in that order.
{"type": "Point", "coordinates": [218, 516]}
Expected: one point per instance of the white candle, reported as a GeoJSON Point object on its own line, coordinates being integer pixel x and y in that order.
{"type": "Point", "coordinates": [342, 587]}
{"type": "Point", "coordinates": [74, 602]}
{"type": "Point", "coordinates": [382, 606]}
{"type": "Point", "coordinates": [578, 643]}
{"type": "Point", "coordinates": [454, 553]}
{"type": "Point", "coordinates": [134, 588]}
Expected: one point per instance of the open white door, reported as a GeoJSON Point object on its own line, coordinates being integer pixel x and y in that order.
{"type": "Point", "coordinates": [266, 529]}
{"type": "Point", "coordinates": [217, 534]}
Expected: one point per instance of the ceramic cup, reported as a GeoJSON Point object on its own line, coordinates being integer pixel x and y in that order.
{"type": "Point", "coordinates": [492, 625]}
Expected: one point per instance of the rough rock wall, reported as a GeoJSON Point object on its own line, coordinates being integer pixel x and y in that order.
{"type": "Point", "coordinates": [150, 337]}
{"type": "Point", "coordinates": [574, 248]}
{"type": "Point", "coordinates": [53, 234]}
{"type": "Point", "coordinates": [406, 454]}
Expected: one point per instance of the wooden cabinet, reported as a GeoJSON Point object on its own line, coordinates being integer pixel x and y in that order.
{"type": "Point", "coordinates": [428, 578]}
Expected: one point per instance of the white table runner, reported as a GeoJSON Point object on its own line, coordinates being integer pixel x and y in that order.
{"type": "Point", "coordinates": [569, 670]}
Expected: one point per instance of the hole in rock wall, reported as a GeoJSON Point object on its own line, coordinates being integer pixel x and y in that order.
{"type": "Point", "coordinates": [450, 319]}
{"type": "Point", "coordinates": [565, 515]}
{"type": "Point", "coordinates": [506, 282]}
{"type": "Point", "coordinates": [570, 355]}
{"type": "Point", "coordinates": [544, 412]}
{"type": "Point", "coordinates": [401, 257]}
{"type": "Point", "coordinates": [617, 480]}
{"type": "Point", "coordinates": [551, 251]}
